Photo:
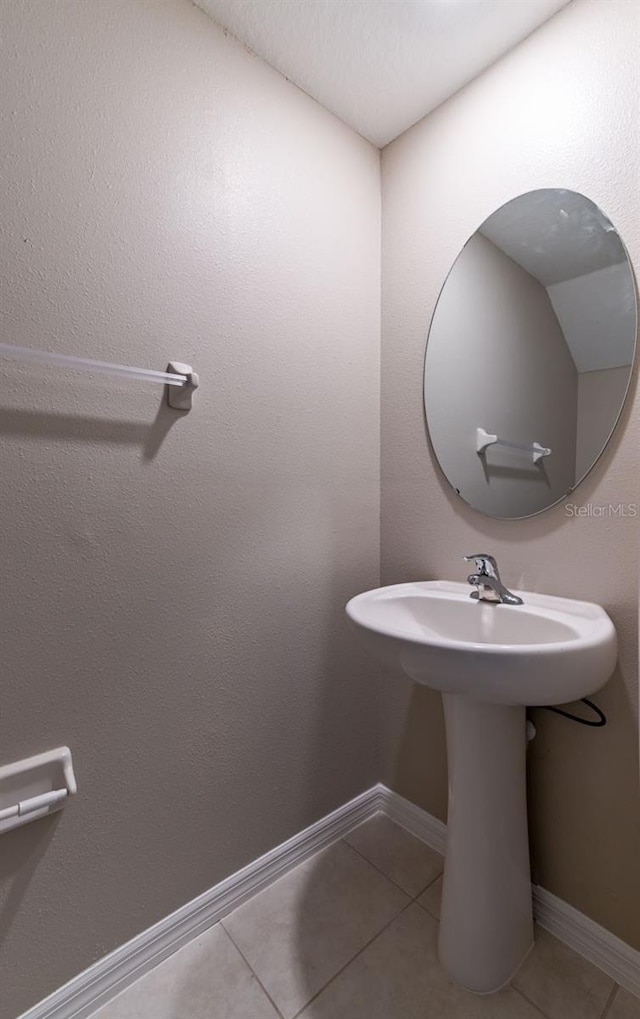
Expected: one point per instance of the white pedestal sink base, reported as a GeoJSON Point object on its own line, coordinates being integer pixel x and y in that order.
{"type": "Point", "coordinates": [486, 926]}
{"type": "Point", "coordinates": [485, 659]}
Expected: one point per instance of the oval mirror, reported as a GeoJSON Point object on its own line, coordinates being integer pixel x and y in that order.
{"type": "Point", "coordinates": [530, 353]}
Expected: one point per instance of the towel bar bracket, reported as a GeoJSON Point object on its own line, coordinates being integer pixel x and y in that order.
{"type": "Point", "coordinates": [182, 398]}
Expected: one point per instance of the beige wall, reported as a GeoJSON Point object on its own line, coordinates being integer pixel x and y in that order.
{"type": "Point", "coordinates": [597, 312]}
{"type": "Point", "coordinates": [497, 359]}
{"type": "Point", "coordinates": [553, 113]}
{"type": "Point", "coordinates": [172, 588]}
{"type": "Point", "coordinates": [600, 395]}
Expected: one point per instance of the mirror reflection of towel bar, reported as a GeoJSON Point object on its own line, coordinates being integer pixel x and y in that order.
{"type": "Point", "coordinates": [484, 439]}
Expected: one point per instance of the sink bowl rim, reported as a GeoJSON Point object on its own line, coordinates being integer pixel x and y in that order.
{"type": "Point", "coordinates": [601, 628]}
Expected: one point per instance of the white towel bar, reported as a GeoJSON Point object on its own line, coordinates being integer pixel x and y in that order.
{"type": "Point", "coordinates": [178, 375]}
{"type": "Point", "coordinates": [484, 439]}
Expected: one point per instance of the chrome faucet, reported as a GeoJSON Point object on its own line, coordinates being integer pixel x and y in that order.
{"type": "Point", "coordinates": [487, 581]}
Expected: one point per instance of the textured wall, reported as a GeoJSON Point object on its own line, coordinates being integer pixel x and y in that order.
{"type": "Point", "coordinates": [559, 111]}
{"type": "Point", "coordinates": [172, 588]}
{"type": "Point", "coordinates": [600, 396]}
{"type": "Point", "coordinates": [597, 304]}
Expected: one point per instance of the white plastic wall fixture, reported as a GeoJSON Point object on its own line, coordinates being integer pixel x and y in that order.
{"type": "Point", "coordinates": [181, 398]}
{"type": "Point", "coordinates": [484, 439]}
{"type": "Point", "coordinates": [35, 787]}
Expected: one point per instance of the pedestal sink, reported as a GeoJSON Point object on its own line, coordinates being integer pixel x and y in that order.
{"type": "Point", "coordinates": [490, 662]}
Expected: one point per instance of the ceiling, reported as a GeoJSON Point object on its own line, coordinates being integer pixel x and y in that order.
{"type": "Point", "coordinates": [566, 243]}
{"type": "Point", "coordinates": [555, 235]}
{"type": "Point", "coordinates": [381, 65]}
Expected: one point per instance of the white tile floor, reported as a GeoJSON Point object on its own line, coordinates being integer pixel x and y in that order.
{"type": "Point", "coordinates": [351, 934]}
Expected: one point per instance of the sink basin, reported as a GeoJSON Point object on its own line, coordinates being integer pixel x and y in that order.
{"type": "Point", "coordinates": [547, 651]}
{"type": "Point", "coordinates": [490, 662]}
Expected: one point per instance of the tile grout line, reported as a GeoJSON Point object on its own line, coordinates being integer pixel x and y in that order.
{"type": "Point", "coordinates": [610, 1001]}
{"type": "Point", "coordinates": [411, 902]}
{"type": "Point", "coordinates": [529, 1001]}
{"type": "Point", "coordinates": [251, 969]}
{"type": "Point", "coordinates": [380, 871]}
{"type": "Point", "coordinates": [353, 959]}
{"type": "Point", "coordinates": [427, 887]}
{"type": "Point", "coordinates": [420, 895]}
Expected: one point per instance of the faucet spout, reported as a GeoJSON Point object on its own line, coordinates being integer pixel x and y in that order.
{"type": "Point", "coordinates": [487, 582]}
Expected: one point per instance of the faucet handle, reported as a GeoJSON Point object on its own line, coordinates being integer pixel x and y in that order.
{"type": "Point", "coordinates": [486, 565]}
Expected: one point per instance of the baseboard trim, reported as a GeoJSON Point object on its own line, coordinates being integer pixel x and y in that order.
{"type": "Point", "coordinates": [414, 819]}
{"type": "Point", "coordinates": [109, 976]}
{"type": "Point", "coordinates": [595, 943]}
{"type": "Point", "coordinates": [97, 985]}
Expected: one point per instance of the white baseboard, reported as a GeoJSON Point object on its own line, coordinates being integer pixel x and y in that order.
{"type": "Point", "coordinates": [116, 971]}
{"type": "Point", "coordinates": [595, 943]}
{"type": "Point", "coordinates": [424, 826]}
{"type": "Point", "coordinates": [97, 985]}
